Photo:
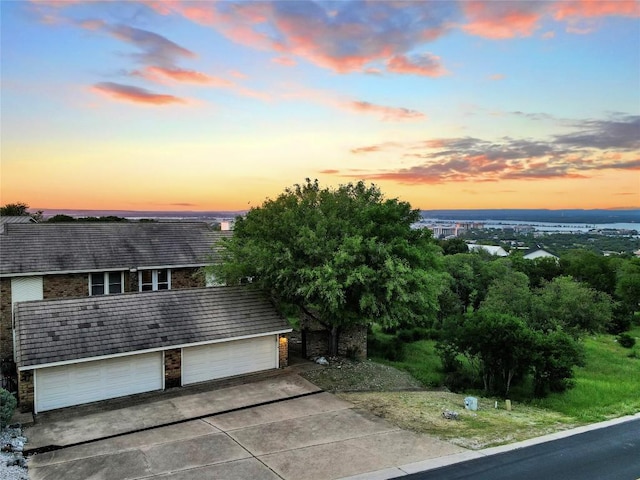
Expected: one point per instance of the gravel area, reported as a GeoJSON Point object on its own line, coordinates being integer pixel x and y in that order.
{"type": "Point", "coordinates": [12, 463]}
{"type": "Point", "coordinates": [342, 375]}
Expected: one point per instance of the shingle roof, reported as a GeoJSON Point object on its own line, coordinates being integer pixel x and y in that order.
{"type": "Point", "coordinates": [64, 247]}
{"type": "Point", "coordinates": [16, 219]}
{"type": "Point", "coordinates": [62, 330]}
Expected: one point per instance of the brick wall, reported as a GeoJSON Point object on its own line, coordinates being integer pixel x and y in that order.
{"type": "Point", "coordinates": [6, 335]}
{"type": "Point", "coordinates": [65, 286]}
{"type": "Point", "coordinates": [25, 391]}
{"type": "Point", "coordinates": [283, 350]}
{"type": "Point", "coordinates": [187, 278]}
{"type": "Point", "coordinates": [172, 368]}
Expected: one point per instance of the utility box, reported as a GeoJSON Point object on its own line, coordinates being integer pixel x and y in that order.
{"type": "Point", "coordinates": [471, 403]}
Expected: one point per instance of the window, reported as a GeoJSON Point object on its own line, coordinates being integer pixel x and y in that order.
{"type": "Point", "coordinates": [149, 280]}
{"type": "Point", "coordinates": [106, 283]}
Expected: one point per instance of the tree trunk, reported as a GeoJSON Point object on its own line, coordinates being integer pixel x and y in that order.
{"type": "Point", "coordinates": [333, 341]}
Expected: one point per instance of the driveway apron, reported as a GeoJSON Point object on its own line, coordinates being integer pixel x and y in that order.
{"type": "Point", "coordinates": [293, 431]}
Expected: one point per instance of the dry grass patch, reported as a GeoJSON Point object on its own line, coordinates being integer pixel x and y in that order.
{"type": "Point", "coordinates": [422, 412]}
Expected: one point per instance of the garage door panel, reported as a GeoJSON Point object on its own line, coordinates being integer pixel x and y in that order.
{"type": "Point", "coordinates": [67, 385]}
{"type": "Point", "coordinates": [237, 357]}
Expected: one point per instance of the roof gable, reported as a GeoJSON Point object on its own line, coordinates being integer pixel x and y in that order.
{"type": "Point", "coordinates": [50, 331]}
{"type": "Point", "coordinates": [60, 247]}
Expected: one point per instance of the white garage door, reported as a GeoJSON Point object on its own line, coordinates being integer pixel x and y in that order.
{"type": "Point", "coordinates": [63, 386]}
{"type": "Point", "coordinates": [237, 357]}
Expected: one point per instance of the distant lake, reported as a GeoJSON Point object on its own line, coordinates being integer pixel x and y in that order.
{"type": "Point", "coordinates": [544, 226]}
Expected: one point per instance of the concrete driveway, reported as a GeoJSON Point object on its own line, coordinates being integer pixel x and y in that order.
{"type": "Point", "coordinates": [276, 428]}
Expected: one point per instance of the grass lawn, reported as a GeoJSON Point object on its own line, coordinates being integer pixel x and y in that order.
{"type": "Point", "coordinates": [608, 386]}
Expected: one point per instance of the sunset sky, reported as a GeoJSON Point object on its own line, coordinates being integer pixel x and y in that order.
{"type": "Point", "coordinates": [176, 105]}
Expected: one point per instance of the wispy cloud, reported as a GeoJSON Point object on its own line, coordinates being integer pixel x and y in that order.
{"type": "Point", "coordinates": [158, 74]}
{"type": "Point", "coordinates": [130, 93]}
{"type": "Point", "coordinates": [595, 145]}
{"type": "Point", "coordinates": [154, 48]}
{"type": "Point", "coordinates": [620, 134]}
{"type": "Point", "coordinates": [425, 64]}
{"type": "Point", "coordinates": [386, 113]}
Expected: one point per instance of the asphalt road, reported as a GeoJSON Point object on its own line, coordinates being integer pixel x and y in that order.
{"type": "Point", "coordinates": [611, 453]}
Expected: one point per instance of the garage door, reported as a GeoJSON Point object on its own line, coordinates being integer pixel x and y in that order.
{"type": "Point", "coordinates": [63, 386]}
{"type": "Point", "coordinates": [219, 360]}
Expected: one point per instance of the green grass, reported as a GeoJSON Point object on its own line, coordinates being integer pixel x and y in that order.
{"type": "Point", "coordinates": [607, 386]}
{"type": "Point", "coordinates": [421, 361]}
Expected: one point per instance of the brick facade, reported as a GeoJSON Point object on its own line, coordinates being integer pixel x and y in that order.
{"type": "Point", "coordinates": [25, 391]}
{"type": "Point", "coordinates": [187, 278]}
{"type": "Point", "coordinates": [65, 286]}
{"type": "Point", "coordinates": [173, 368]}
{"type": "Point", "coordinates": [6, 333]}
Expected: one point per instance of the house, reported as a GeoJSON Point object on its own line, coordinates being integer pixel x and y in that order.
{"type": "Point", "coordinates": [490, 249]}
{"type": "Point", "coordinates": [96, 311]}
{"type": "Point", "coordinates": [15, 219]}
{"type": "Point", "coordinates": [534, 253]}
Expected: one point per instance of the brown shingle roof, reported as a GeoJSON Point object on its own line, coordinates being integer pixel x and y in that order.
{"type": "Point", "coordinates": [70, 329]}
{"type": "Point", "coordinates": [59, 247]}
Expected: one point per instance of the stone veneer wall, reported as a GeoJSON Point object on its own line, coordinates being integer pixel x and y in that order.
{"type": "Point", "coordinates": [172, 368]}
{"type": "Point", "coordinates": [26, 391]}
{"type": "Point", "coordinates": [6, 335]}
{"type": "Point", "coordinates": [352, 341]}
{"type": "Point", "coordinates": [283, 350]}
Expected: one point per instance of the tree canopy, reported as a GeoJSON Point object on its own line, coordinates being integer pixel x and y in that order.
{"type": "Point", "coordinates": [14, 210]}
{"type": "Point", "coordinates": [344, 256]}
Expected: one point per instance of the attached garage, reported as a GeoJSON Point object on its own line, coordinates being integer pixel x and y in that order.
{"type": "Point", "coordinates": [80, 350]}
{"type": "Point", "coordinates": [75, 384]}
{"type": "Point", "coordinates": [237, 357]}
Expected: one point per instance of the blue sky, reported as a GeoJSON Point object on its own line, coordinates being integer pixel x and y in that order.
{"type": "Point", "coordinates": [160, 105]}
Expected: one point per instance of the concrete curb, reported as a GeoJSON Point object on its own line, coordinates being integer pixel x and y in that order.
{"type": "Point", "coordinates": [433, 463]}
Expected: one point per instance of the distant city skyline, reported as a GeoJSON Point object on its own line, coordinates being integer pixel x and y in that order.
{"type": "Point", "coordinates": [199, 106]}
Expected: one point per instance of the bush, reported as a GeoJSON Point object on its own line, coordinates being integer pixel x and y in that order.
{"type": "Point", "coordinates": [389, 349]}
{"type": "Point", "coordinates": [409, 335]}
{"type": "Point", "coordinates": [7, 406]}
{"type": "Point", "coordinates": [626, 340]}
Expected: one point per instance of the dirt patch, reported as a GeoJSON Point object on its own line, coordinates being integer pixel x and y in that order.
{"type": "Point", "coordinates": [342, 375]}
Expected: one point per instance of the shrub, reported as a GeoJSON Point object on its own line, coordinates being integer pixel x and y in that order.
{"type": "Point", "coordinates": [409, 335]}
{"type": "Point", "coordinates": [7, 406]}
{"type": "Point", "coordinates": [626, 340]}
{"type": "Point", "coordinates": [389, 349]}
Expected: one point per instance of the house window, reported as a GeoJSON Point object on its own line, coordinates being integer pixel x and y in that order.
{"type": "Point", "coordinates": [106, 283]}
{"type": "Point", "coordinates": [150, 280]}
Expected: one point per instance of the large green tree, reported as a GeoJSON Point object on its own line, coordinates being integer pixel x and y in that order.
{"type": "Point", "coordinates": [344, 256]}
{"type": "Point", "coordinates": [19, 209]}
{"type": "Point", "coordinates": [14, 210]}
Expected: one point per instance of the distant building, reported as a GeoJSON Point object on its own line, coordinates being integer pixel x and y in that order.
{"type": "Point", "coordinates": [496, 250]}
{"type": "Point", "coordinates": [538, 253]}
{"type": "Point", "coordinates": [453, 230]}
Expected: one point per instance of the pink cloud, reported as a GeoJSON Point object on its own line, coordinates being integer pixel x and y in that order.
{"type": "Point", "coordinates": [329, 172]}
{"type": "Point", "coordinates": [497, 76]}
{"type": "Point", "coordinates": [155, 73]}
{"type": "Point", "coordinates": [501, 20]}
{"type": "Point", "coordinates": [386, 113]}
{"type": "Point", "coordinates": [285, 61]}
{"type": "Point", "coordinates": [133, 94]}
{"type": "Point", "coordinates": [425, 64]}
{"type": "Point", "coordinates": [595, 8]}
